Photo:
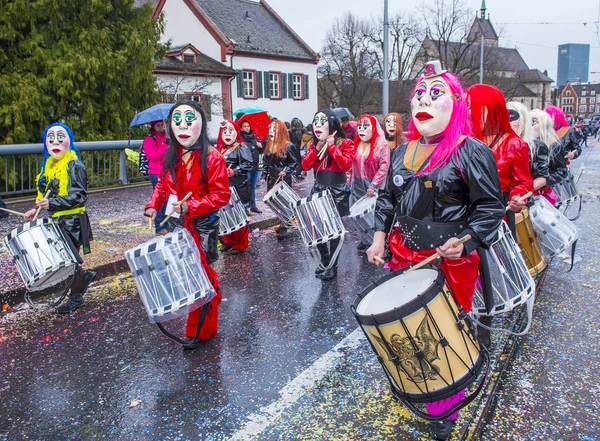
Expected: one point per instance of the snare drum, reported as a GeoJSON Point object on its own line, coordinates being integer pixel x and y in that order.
{"type": "Point", "coordinates": [530, 246]}
{"type": "Point", "coordinates": [233, 215]}
{"type": "Point", "coordinates": [556, 233]}
{"type": "Point", "coordinates": [318, 219]}
{"type": "Point", "coordinates": [281, 199]}
{"type": "Point", "coordinates": [566, 190]}
{"type": "Point", "coordinates": [41, 253]}
{"type": "Point", "coordinates": [169, 276]}
{"type": "Point", "coordinates": [512, 284]}
{"type": "Point", "coordinates": [423, 340]}
{"type": "Point", "coordinates": [362, 213]}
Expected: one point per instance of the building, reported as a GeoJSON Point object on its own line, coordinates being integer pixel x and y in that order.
{"type": "Point", "coordinates": [580, 100]}
{"type": "Point", "coordinates": [245, 56]}
{"type": "Point", "coordinates": [503, 67]}
{"type": "Point", "coordinates": [573, 63]}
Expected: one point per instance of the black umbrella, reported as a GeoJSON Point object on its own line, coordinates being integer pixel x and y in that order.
{"type": "Point", "coordinates": [343, 112]}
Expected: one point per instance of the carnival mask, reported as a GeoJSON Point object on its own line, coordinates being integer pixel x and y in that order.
{"type": "Point", "coordinates": [272, 131]}
{"type": "Point", "coordinates": [321, 126]}
{"type": "Point", "coordinates": [390, 125]}
{"type": "Point", "coordinates": [535, 127]}
{"type": "Point", "coordinates": [431, 106]}
{"type": "Point", "coordinates": [57, 142]}
{"type": "Point", "coordinates": [365, 130]}
{"type": "Point", "coordinates": [186, 125]}
{"type": "Point", "coordinates": [229, 134]}
{"type": "Point", "coordinates": [515, 121]}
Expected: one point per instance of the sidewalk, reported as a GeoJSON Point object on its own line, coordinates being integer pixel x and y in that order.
{"type": "Point", "coordinates": [118, 225]}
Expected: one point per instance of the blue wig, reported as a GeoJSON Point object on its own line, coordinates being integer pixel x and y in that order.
{"type": "Point", "coordinates": [71, 139]}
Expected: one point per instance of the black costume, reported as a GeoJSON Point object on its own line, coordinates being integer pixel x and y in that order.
{"type": "Point", "coordinates": [540, 164]}
{"type": "Point", "coordinates": [558, 169]}
{"type": "Point", "coordinates": [569, 142]}
{"type": "Point", "coordinates": [239, 159]}
{"type": "Point", "coordinates": [273, 165]}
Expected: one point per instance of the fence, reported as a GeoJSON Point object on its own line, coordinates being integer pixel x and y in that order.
{"type": "Point", "coordinates": [105, 161]}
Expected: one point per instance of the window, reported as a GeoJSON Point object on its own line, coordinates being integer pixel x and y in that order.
{"type": "Point", "coordinates": [564, 101]}
{"type": "Point", "coordinates": [592, 108]}
{"type": "Point", "coordinates": [193, 96]}
{"type": "Point", "coordinates": [582, 100]}
{"type": "Point", "coordinates": [593, 92]}
{"type": "Point", "coordinates": [189, 58]}
{"type": "Point", "coordinates": [568, 93]}
{"type": "Point", "coordinates": [275, 85]}
{"type": "Point", "coordinates": [592, 100]}
{"type": "Point", "coordinates": [582, 109]}
{"type": "Point", "coordinates": [297, 86]}
{"type": "Point", "coordinates": [249, 89]}
{"type": "Point", "coordinates": [583, 92]}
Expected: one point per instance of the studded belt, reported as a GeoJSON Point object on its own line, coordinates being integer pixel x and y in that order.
{"type": "Point", "coordinates": [420, 235]}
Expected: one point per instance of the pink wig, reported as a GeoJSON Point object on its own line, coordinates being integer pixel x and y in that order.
{"type": "Point", "coordinates": [558, 117]}
{"type": "Point", "coordinates": [374, 138]}
{"type": "Point", "coordinates": [459, 125]}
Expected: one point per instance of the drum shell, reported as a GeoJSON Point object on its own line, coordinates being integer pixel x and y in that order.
{"type": "Point", "coordinates": [458, 363]}
{"type": "Point", "coordinates": [530, 246]}
{"type": "Point", "coordinates": [281, 199]}
{"type": "Point", "coordinates": [364, 219]}
{"type": "Point", "coordinates": [566, 189]}
{"type": "Point", "coordinates": [555, 231]}
{"type": "Point", "coordinates": [232, 216]}
{"type": "Point", "coordinates": [42, 254]}
{"type": "Point", "coordinates": [318, 219]}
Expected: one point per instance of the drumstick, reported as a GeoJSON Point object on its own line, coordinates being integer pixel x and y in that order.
{"type": "Point", "coordinates": [436, 255]}
{"type": "Point", "coordinates": [278, 179]}
{"type": "Point", "coordinates": [324, 150]}
{"type": "Point", "coordinates": [12, 212]}
{"type": "Point", "coordinates": [522, 198]}
{"type": "Point", "coordinates": [40, 208]}
{"type": "Point", "coordinates": [187, 196]}
{"type": "Point", "coordinates": [150, 223]}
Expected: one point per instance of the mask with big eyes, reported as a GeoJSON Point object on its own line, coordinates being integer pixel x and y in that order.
{"type": "Point", "coordinates": [535, 127]}
{"type": "Point", "coordinates": [321, 126]}
{"type": "Point", "coordinates": [365, 130]}
{"type": "Point", "coordinates": [229, 134]}
{"type": "Point", "coordinates": [186, 125]}
{"type": "Point", "coordinates": [272, 131]}
{"type": "Point", "coordinates": [431, 106]}
{"type": "Point", "coordinates": [390, 126]}
{"type": "Point", "coordinates": [514, 117]}
{"type": "Point", "coordinates": [57, 142]}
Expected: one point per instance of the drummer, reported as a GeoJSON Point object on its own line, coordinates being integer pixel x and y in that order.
{"type": "Point", "coordinates": [370, 166]}
{"type": "Point", "coordinates": [442, 185]}
{"type": "Point", "coordinates": [238, 157]}
{"type": "Point", "coordinates": [330, 154]}
{"type": "Point", "coordinates": [193, 166]}
{"type": "Point", "coordinates": [65, 177]}
{"type": "Point", "coordinates": [392, 125]}
{"type": "Point", "coordinates": [280, 162]}
{"type": "Point", "coordinates": [565, 132]}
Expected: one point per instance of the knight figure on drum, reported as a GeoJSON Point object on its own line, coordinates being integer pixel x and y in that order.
{"type": "Point", "coordinates": [62, 190]}
{"type": "Point", "coordinates": [441, 186]}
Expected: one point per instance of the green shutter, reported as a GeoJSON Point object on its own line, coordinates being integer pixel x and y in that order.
{"type": "Point", "coordinates": [267, 86]}
{"type": "Point", "coordinates": [208, 107]}
{"type": "Point", "coordinates": [305, 86]}
{"type": "Point", "coordinates": [284, 89]}
{"type": "Point", "coordinates": [240, 83]}
{"type": "Point", "coordinates": [259, 84]}
{"type": "Point", "coordinates": [291, 85]}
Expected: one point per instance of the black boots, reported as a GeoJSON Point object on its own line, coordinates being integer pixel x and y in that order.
{"type": "Point", "coordinates": [78, 289]}
{"type": "Point", "coordinates": [75, 301]}
{"type": "Point", "coordinates": [190, 343]}
{"type": "Point", "coordinates": [442, 429]}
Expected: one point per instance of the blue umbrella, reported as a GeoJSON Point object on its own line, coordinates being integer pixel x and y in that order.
{"type": "Point", "coordinates": [154, 113]}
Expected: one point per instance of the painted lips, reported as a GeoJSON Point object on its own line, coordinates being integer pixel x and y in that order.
{"type": "Point", "coordinates": [423, 116]}
{"type": "Point", "coordinates": [318, 132]}
{"type": "Point", "coordinates": [391, 130]}
{"type": "Point", "coordinates": [56, 150]}
{"type": "Point", "coordinates": [184, 136]}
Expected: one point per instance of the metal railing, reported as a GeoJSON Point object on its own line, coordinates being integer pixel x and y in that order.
{"type": "Point", "coordinates": [105, 161]}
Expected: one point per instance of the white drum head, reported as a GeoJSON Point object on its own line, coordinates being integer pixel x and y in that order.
{"type": "Point", "coordinates": [364, 205]}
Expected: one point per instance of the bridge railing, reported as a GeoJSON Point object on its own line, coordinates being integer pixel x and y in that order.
{"type": "Point", "coordinates": [105, 161]}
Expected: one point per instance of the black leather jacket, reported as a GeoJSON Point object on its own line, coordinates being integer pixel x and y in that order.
{"type": "Point", "coordinates": [540, 166]}
{"type": "Point", "coordinates": [570, 144]}
{"type": "Point", "coordinates": [273, 165]}
{"type": "Point", "coordinates": [558, 163]}
{"type": "Point", "coordinates": [465, 191]}
{"type": "Point", "coordinates": [239, 159]}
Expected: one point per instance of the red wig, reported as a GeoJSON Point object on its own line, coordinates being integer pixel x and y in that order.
{"type": "Point", "coordinates": [482, 98]}
{"type": "Point", "coordinates": [221, 147]}
{"type": "Point", "coordinates": [558, 117]}
{"type": "Point", "coordinates": [374, 138]}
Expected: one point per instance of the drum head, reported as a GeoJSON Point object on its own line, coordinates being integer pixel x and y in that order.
{"type": "Point", "coordinates": [396, 292]}
{"type": "Point", "coordinates": [364, 205]}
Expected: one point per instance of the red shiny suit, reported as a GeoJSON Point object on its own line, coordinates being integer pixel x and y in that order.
{"type": "Point", "coordinates": [342, 156]}
{"type": "Point", "coordinates": [512, 158]}
{"type": "Point", "coordinates": [208, 195]}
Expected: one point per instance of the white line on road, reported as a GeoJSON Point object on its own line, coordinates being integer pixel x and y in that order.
{"type": "Point", "coordinates": [307, 380]}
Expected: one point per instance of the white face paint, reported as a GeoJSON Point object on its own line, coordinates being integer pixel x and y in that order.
{"type": "Point", "coordinates": [321, 126]}
{"type": "Point", "coordinates": [57, 142]}
{"type": "Point", "coordinates": [365, 130]}
{"type": "Point", "coordinates": [535, 127]}
{"type": "Point", "coordinates": [186, 125]}
{"type": "Point", "coordinates": [272, 131]}
{"type": "Point", "coordinates": [431, 106]}
{"type": "Point", "coordinates": [390, 125]}
{"type": "Point", "coordinates": [229, 134]}
{"type": "Point", "coordinates": [516, 122]}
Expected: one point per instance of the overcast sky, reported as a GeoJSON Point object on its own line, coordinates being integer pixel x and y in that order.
{"type": "Point", "coordinates": [538, 44]}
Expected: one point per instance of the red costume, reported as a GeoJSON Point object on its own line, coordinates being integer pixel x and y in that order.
{"type": "Point", "coordinates": [512, 158]}
{"type": "Point", "coordinates": [341, 157]}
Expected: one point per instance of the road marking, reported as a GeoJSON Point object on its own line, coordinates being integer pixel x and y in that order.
{"type": "Point", "coordinates": [299, 386]}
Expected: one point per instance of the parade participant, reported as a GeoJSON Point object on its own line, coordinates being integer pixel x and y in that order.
{"type": "Point", "coordinates": [392, 125]}
{"type": "Point", "coordinates": [442, 183]}
{"type": "Point", "coordinates": [64, 176]}
{"type": "Point", "coordinates": [330, 174]}
{"type": "Point", "coordinates": [296, 135]}
{"type": "Point", "coordinates": [256, 147]}
{"type": "Point", "coordinates": [370, 166]}
{"type": "Point", "coordinates": [155, 146]}
{"type": "Point", "coordinates": [238, 156]}
{"type": "Point", "coordinates": [565, 132]}
{"type": "Point", "coordinates": [350, 128]}
{"type": "Point", "coordinates": [280, 161]}
{"type": "Point", "coordinates": [192, 165]}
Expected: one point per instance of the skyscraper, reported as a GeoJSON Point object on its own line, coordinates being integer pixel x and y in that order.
{"type": "Point", "coordinates": [573, 63]}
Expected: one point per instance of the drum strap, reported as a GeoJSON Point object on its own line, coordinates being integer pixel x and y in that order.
{"type": "Point", "coordinates": [203, 313]}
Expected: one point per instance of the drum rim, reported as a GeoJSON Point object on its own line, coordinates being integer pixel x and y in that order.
{"type": "Point", "coordinates": [405, 310]}
{"type": "Point", "coordinates": [21, 228]}
{"type": "Point", "coordinates": [310, 197]}
{"type": "Point", "coordinates": [235, 228]}
{"type": "Point", "coordinates": [362, 213]}
{"type": "Point", "coordinates": [276, 189]}
{"type": "Point", "coordinates": [38, 276]}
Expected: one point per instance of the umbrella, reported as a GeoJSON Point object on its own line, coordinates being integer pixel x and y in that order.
{"type": "Point", "coordinates": [343, 112]}
{"type": "Point", "coordinates": [154, 113]}
{"type": "Point", "coordinates": [247, 110]}
{"type": "Point", "coordinates": [259, 122]}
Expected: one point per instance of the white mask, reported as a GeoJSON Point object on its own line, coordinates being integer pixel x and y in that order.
{"type": "Point", "coordinates": [535, 127]}
{"type": "Point", "coordinates": [390, 125]}
{"type": "Point", "coordinates": [57, 142]}
{"type": "Point", "coordinates": [365, 130]}
{"type": "Point", "coordinates": [186, 125]}
{"type": "Point", "coordinates": [321, 126]}
{"type": "Point", "coordinates": [431, 106]}
{"type": "Point", "coordinates": [229, 134]}
{"type": "Point", "coordinates": [272, 131]}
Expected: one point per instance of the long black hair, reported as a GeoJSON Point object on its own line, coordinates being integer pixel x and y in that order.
{"type": "Point", "coordinates": [171, 156]}
{"type": "Point", "coordinates": [334, 125]}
